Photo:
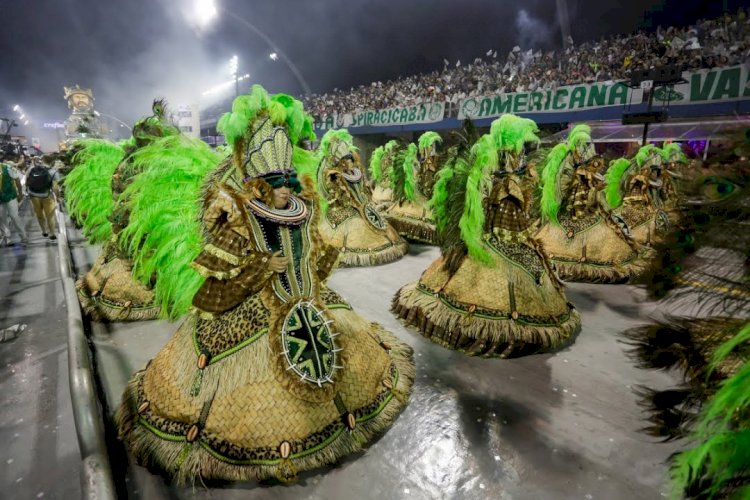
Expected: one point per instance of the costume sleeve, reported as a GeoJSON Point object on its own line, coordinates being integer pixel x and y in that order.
{"type": "Point", "coordinates": [233, 268]}
{"type": "Point", "coordinates": [326, 261]}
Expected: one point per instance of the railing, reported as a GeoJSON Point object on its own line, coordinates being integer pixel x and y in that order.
{"type": "Point", "coordinates": [96, 474]}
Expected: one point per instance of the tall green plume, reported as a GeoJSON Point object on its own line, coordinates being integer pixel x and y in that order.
{"type": "Point", "coordinates": [643, 154]}
{"type": "Point", "coordinates": [409, 164]}
{"type": "Point", "coordinates": [88, 187]}
{"type": "Point", "coordinates": [375, 164]}
{"type": "Point", "coordinates": [163, 235]}
{"type": "Point", "coordinates": [427, 139]}
{"type": "Point", "coordinates": [550, 189]}
{"type": "Point", "coordinates": [720, 457]}
{"type": "Point", "coordinates": [673, 149]}
{"type": "Point", "coordinates": [397, 175]}
{"type": "Point", "coordinates": [580, 133]}
{"type": "Point", "coordinates": [613, 177]}
{"type": "Point", "coordinates": [336, 134]}
{"type": "Point", "coordinates": [511, 133]}
{"type": "Point", "coordinates": [298, 122]}
{"type": "Point", "coordinates": [391, 145]}
{"type": "Point", "coordinates": [440, 194]}
{"type": "Point", "coordinates": [478, 186]}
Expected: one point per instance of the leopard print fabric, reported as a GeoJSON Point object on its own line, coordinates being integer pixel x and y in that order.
{"type": "Point", "coordinates": [228, 330]}
{"type": "Point", "coordinates": [524, 255]}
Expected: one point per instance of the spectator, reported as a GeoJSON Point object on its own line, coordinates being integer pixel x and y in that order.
{"type": "Point", "coordinates": [41, 182]}
{"type": "Point", "coordinates": [707, 44]}
{"type": "Point", "coordinates": [11, 194]}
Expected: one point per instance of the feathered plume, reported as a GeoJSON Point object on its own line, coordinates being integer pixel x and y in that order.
{"type": "Point", "coordinates": [163, 235]}
{"type": "Point", "coordinates": [550, 190]}
{"type": "Point", "coordinates": [88, 187]}
{"type": "Point", "coordinates": [613, 178]}
{"type": "Point", "coordinates": [427, 139]}
{"type": "Point", "coordinates": [580, 133]}
{"type": "Point", "coordinates": [644, 153]}
{"type": "Point", "coordinates": [409, 164]}
{"type": "Point", "coordinates": [375, 163]}
{"type": "Point", "coordinates": [478, 186]}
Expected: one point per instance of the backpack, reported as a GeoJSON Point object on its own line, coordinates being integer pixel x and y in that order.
{"type": "Point", "coordinates": [39, 180]}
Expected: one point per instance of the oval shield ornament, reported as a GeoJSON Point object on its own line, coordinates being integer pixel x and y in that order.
{"type": "Point", "coordinates": [308, 344]}
{"type": "Point", "coordinates": [374, 217]}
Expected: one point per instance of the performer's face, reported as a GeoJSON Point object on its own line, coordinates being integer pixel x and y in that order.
{"type": "Point", "coordinates": [280, 197]}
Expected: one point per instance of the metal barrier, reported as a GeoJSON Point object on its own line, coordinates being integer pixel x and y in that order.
{"type": "Point", "coordinates": [96, 473]}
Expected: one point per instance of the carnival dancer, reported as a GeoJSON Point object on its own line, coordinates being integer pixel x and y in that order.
{"type": "Point", "coordinates": [350, 221]}
{"type": "Point", "coordinates": [673, 160]}
{"type": "Point", "coordinates": [492, 292]}
{"type": "Point", "coordinates": [273, 373]}
{"type": "Point", "coordinates": [429, 161]}
{"type": "Point", "coordinates": [709, 342]}
{"type": "Point", "coordinates": [581, 240]}
{"type": "Point", "coordinates": [632, 189]}
{"type": "Point", "coordinates": [380, 165]}
{"type": "Point", "coordinates": [95, 197]}
{"type": "Point", "coordinates": [409, 213]}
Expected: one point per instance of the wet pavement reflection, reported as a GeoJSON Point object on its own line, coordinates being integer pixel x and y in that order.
{"type": "Point", "coordinates": [562, 425]}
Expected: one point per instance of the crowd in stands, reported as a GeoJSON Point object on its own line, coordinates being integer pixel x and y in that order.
{"type": "Point", "coordinates": [706, 44]}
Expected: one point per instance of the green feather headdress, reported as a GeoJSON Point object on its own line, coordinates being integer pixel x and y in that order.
{"type": "Point", "coordinates": [328, 139]}
{"type": "Point", "coordinates": [281, 108]}
{"type": "Point", "coordinates": [551, 195]}
{"type": "Point", "coordinates": [478, 186]}
{"type": "Point", "coordinates": [580, 133]}
{"type": "Point", "coordinates": [645, 153]}
{"type": "Point", "coordinates": [427, 139]}
{"type": "Point", "coordinates": [673, 151]}
{"type": "Point", "coordinates": [511, 133]}
{"type": "Point", "coordinates": [375, 163]}
{"type": "Point", "coordinates": [613, 178]}
{"type": "Point", "coordinates": [324, 157]}
{"type": "Point", "coordinates": [88, 187]}
{"type": "Point", "coordinates": [390, 146]}
{"type": "Point", "coordinates": [163, 235]}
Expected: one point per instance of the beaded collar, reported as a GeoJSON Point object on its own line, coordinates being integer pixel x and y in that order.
{"type": "Point", "coordinates": [296, 213]}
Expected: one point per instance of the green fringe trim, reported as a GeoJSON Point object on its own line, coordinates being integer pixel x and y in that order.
{"type": "Point", "coordinates": [186, 462]}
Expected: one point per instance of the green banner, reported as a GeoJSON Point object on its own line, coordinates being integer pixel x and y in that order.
{"type": "Point", "coordinates": [421, 113]}
{"type": "Point", "coordinates": [560, 100]}
{"type": "Point", "coordinates": [709, 85]}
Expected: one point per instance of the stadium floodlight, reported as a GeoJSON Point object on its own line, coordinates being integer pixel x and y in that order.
{"type": "Point", "coordinates": [225, 86]}
{"type": "Point", "coordinates": [16, 107]}
{"type": "Point", "coordinates": [205, 12]}
{"type": "Point", "coordinates": [23, 115]}
{"type": "Point", "coordinates": [26, 122]}
{"type": "Point", "coordinates": [234, 64]}
{"type": "Point", "coordinates": [273, 56]}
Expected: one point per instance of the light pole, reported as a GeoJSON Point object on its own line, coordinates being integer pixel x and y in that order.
{"type": "Point", "coordinates": [234, 64]}
{"type": "Point", "coordinates": [206, 11]}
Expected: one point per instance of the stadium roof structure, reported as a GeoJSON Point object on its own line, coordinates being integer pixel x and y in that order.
{"type": "Point", "coordinates": [676, 130]}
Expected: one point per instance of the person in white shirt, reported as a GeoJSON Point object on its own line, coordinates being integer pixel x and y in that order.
{"type": "Point", "coordinates": [11, 193]}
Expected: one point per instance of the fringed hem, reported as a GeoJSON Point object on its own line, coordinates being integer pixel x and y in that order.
{"type": "Point", "coordinates": [100, 310]}
{"type": "Point", "coordinates": [413, 229]}
{"type": "Point", "coordinates": [503, 338]}
{"type": "Point", "coordinates": [375, 258]}
{"type": "Point", "coordinates": [596, 273]}
{"type": "Point", "coordinates": [186, 462]}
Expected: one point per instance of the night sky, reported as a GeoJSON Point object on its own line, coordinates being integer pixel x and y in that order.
{"type": "Point", "coordinates": [131, 51]}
